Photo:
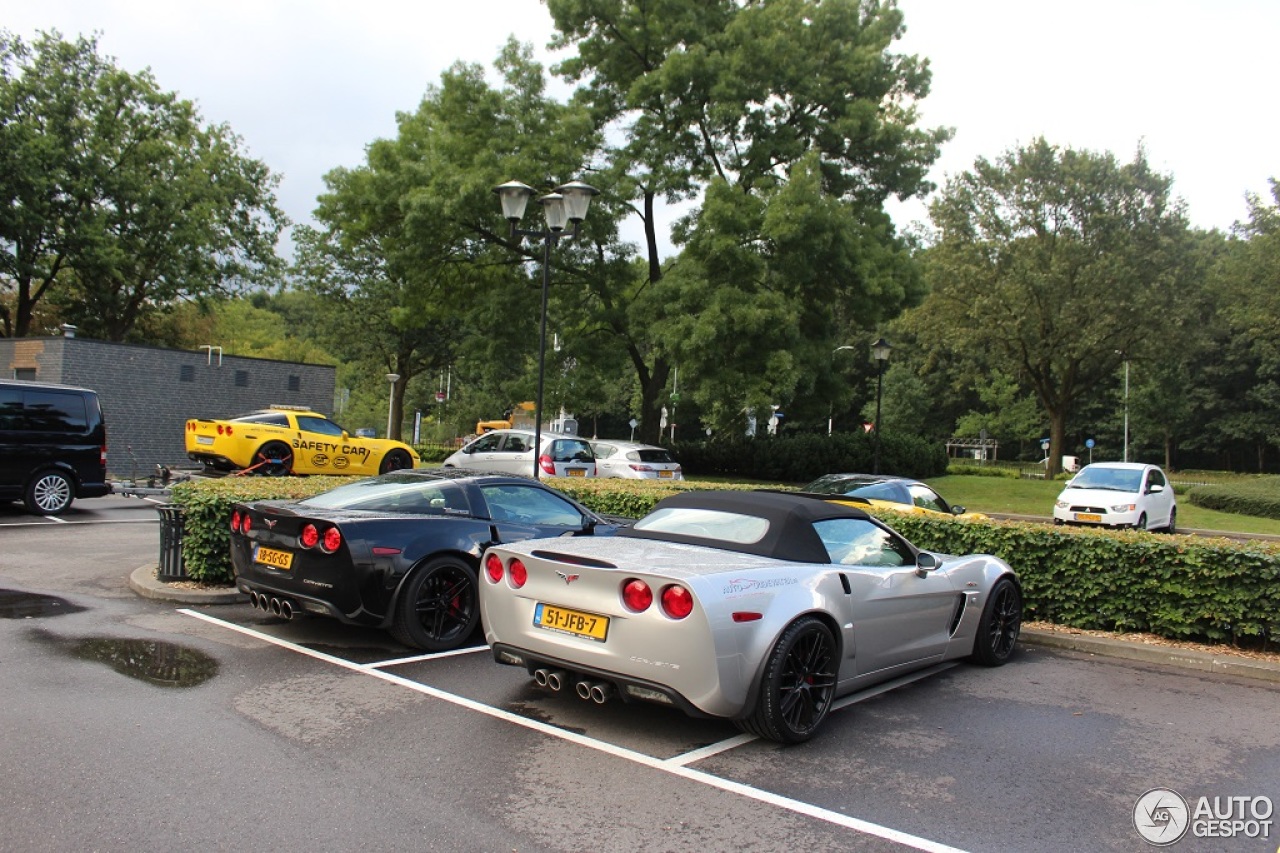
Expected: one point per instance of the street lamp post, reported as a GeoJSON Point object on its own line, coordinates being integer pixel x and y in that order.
{"type": "Point", "coordinates": [393, 378]}
{"type": "Point", "coordinates": [880, 352]}
{"type": "Point", "coordinates": [830, 413]}
{"type": "Point", "coordinates": [568, 203]}
{"type": "Point", "coordinates": [1125, 355]}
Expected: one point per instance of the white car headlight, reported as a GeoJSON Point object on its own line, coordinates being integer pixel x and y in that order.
{"type": "Point", "coordinates": [1124, 507]}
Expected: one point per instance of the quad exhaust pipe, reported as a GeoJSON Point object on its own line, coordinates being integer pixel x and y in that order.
{"type": "Point", "coordinates": [557, 679]}
{"type": "Point", "coordinates": [276, 606]}
{"type": "Point", "coordinates": [597, 691]}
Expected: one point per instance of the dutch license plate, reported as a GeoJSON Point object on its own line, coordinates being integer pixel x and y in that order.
{"type": "Point", "coordinates": [577, 472]}
{"type": "Point", "coordinates": [573, 622]}
{"type": "Point", "coordinates": [664, 475]}
{"type": "Point", "coordinates": [1089, 516]}
{"type": "Point", "coordinates": [272, 557]}
{"type": "Point", "coordinates": [204, 439]}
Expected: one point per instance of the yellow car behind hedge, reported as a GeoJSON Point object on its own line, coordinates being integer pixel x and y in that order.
{"type": "Point", "coordinates": [283, 440]}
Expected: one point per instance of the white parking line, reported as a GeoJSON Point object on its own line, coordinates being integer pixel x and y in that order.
{"type": "Point", "coordinates": [417, 658]}
{"type": "Point", "coordinates": [666, 766]}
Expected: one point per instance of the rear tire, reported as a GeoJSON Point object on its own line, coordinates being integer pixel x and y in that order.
{"type": "Point", "coordinates": [274, 459]}
{"type": "Point", "coordinates": [439, 606]}
{"type": "Point", "coordinates": [50, 493]}
{"type": "Point", "coordinates": [798, 685]}
{"type": "Point", "coordinates": [394, 461]}
{"type": "Point", "coordinates": [1000, 624]}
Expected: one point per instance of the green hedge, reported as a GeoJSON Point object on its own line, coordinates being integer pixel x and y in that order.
{"type": "Point", "coordinates": [1183, 587]}
{"type": "Point", "coordinates": [802, 458]}
{"type": "Point", "coordinates": [1258, 497]}
{"type": "Point", "coordinates": [1180, 587]}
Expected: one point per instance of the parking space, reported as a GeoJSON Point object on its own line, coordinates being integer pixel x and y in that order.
{"type": "Point", "coordinates": [962, 757]}
{"type": "Point", "coordinates": [112, 509]}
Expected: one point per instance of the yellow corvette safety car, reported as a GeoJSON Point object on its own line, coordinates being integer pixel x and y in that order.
{"type": "Point", "coordinates": [283, 440]}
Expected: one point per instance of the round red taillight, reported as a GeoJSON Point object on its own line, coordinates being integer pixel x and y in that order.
{"type": "Point", "coordinates": [235, 521]}
{"type": "Point", "coordinates": [331, 541]}
{"type": "Point", "coordinates": [309, 536]}
{"type": "Point", "coordinates": [677, 602]}
{"type": "Point", "coordinates": [219, 429]}
{"type": "Point", "coordinates": [245, 523]}
{"type": "Point", "coordinates": [636, 595]}
{"type": "Point", "coordinates": [493, 567]}
{"type": "Point", "coordinates": [519, 574]}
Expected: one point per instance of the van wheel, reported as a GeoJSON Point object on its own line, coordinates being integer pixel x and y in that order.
{"type": "Point", "coordinates": [50, 493]}
{"type": "Point", "coordinates": [274, 459]}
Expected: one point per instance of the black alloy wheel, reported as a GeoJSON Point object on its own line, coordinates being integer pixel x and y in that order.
{"type": "Point", "coordinates": [394, 461]}
{"type": "Point", "coordinates": [274, 459]}
{"type": "Point", "coordinates": [798, 685]}
{"type": "Point", "coordinates": [438, 607]}
{"type": "Point", "coordinates": [1000, 624]}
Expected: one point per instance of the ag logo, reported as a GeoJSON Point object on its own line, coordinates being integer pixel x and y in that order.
{"type": "Point", "coordinates": [1161, 816]}
{"type": "Point", "coordinates": [320, 460]}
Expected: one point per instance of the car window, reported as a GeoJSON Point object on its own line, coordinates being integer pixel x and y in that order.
{"type": "Point", "coordinates": [487, 443]}
{"type": "Point", "coordinates": [39, 411]}
{"type": "Point", "coordinates": [859, 542]}
{"type": "Point", "coordinates": [923, 496]}
{"type": "Point", "coordinates": [657, 455]}
{"type": "Point", "coordinates": [516, 444]}
{"type": "Point", "coordinates": [603, 451]}
{"type": "Point", "coordinates": [706, 524]}
{"type": "Point", "coordinates": [571, 450]}
{"type": "Point", "coordinates": [324, 426]}
{"type": "Point", "coordinates": [394, 494]}
{"type": "Point", "coordinates": [277, 419]}
{"type": "Point", "coordinates": [1156, 478]}
{"type": "Point", "coordinates": [529, 505]}
{"type": "Point", "coordinates": [880, 491]}
{"type": "Point", "coordinates": [1114, 479]}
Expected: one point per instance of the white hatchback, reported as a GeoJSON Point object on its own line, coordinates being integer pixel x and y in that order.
{"type": "Point", "coordinates": [635, 461]}
{"type": "Point", "coordinates": [510, 451]}
{"type": "Point", "coordinates": [1118, 494]}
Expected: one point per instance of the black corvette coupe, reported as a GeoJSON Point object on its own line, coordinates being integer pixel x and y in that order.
{"type": "Point", "coordinates": [400, 551]}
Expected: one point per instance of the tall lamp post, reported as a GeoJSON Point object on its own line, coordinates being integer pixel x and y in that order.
{"type": "Point", "coordinates": [393, 378]}
{"type": "Point", "coordinates": [880, 352]}
{"type": "Point", "coordinates": [830, 414]}
{"type": "Point", "coordinates": [568, 203]}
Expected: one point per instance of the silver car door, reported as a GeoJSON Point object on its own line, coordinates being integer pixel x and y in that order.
{"type": "Point", "coordinates": [899, 614]}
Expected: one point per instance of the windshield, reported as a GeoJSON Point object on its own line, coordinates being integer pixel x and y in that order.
{"type": "Point", "coordinates": [1108, 479]}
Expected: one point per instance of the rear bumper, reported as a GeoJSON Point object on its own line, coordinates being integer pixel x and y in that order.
{"type": "Point", "coordinates": [629, 688]}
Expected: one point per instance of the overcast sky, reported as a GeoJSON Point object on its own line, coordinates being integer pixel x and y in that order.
{"type": "Point", "coordinates": [309, 83]}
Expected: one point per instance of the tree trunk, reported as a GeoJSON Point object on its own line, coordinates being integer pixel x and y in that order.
{"type": "Point", "coordinates": [1057, 439]}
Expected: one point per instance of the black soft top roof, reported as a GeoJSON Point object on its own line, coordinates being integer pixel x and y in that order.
{"type": "Point", "coordinates": [791, 516]}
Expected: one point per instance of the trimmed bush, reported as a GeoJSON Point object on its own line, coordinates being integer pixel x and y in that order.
{"type": "Point", "coordinates": [1182, 587]}
{"type": "Point", "coordinates": [1259, 497]}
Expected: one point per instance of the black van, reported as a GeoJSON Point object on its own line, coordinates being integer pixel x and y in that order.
{"type": "Point", "coordinates": [53, 445]}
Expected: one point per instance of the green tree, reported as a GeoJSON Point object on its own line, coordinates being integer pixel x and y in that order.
{"type": "Point", "coordinates": [1058, 264]}
{"type": "Point", "coordinates": [792, 122]}
{"type": "Point", "coordinates": [117, 200]}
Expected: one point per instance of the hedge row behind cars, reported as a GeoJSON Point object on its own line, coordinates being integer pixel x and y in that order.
{"type": "Point", "coordinates": [1180, 587]}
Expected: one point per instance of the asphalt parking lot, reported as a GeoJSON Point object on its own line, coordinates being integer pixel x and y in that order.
{"type": "Point", "coordinates": [1050, 752]}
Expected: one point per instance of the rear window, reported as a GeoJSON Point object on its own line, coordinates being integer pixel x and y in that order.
{"type": "Point", "coordinates": [706, 524]}
{"type": "Point", "coordinates": [408, 494]}
{"type": "Point", "coordinates": [571, 450]}
{"type": "Point", "coordinates": [656, 454]}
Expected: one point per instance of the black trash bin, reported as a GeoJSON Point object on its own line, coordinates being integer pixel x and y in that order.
{"type": "Point", "coordinates": [171, 520]}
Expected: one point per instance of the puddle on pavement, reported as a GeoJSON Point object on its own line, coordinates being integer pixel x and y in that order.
{"type": "Point", "coordinates": [15, 604]}
{"type": "Point", "coordinates": [153, 661]}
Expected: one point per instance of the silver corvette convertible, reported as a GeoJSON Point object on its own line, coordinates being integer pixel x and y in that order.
{"type": "Point", "coordinates": [759, 607]}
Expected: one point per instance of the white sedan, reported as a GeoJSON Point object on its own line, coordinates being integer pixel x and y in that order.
{"type": "Point", "coordinates": [1118, 494]}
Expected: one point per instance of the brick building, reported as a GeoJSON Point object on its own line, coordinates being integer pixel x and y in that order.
{"type": "Point", "coordinates": [148, 392]}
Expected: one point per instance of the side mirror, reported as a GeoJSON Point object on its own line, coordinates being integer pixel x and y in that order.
{"type": "Point", "coordinates": [957, 510]}
{"type": "Point", "coordinates": [1155, 489]}
{"type": "Point", "coordinates": [925, 563]}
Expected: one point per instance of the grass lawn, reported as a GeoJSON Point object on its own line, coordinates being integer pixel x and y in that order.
{"type": "Point", "coordinates": [1035, 497]}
